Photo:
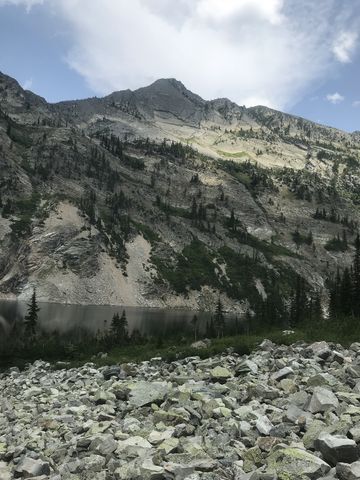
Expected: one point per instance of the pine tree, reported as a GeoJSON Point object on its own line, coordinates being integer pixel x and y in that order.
{"type": "Point", "coordinates": [195, 325]}
{"type": "Point", "coordinates": [356, 278]}
{"type": "Point", "coordinates": [31, 318]}
{"type": "Point", "coordinates": [346, 293]}
{"type": "Point", "coordinates": [219, 319]}
{"type": "Point", "coordinates": [298, 303]}
{"type": "Point", "coordinates": [119, 327]}
{"type": "Point", "coordinates": [334, 304]}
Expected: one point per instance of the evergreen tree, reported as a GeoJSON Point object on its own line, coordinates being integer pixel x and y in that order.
{"type": "Point", "coordinates": [334, 304]}
{"type": "Point", "coordinates": [219, 319]}
{"type": "Point", "coordinates": [195, 326]}
{"type": "Point", "coordinates": [119, 327]}
{"type": "Point", "coordinates": [31, 318]}
{"type": "Point", "coordinates": [298, 304]}
{"type": "Point", "coordinates": [356, 278]}
{"type": "Point", "coordinates": [346, 293]}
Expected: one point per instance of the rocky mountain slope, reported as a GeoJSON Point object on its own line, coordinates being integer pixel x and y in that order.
{"type": "Point", "coordinates": [287, 413]}
{"type": "Point", "coordinates": [157, 197]}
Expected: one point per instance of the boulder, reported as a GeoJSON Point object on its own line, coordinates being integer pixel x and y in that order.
{"type": "Point", "coordinates": [337, 448]}
{"type": "Point", "coordinates": [296, 464]}
{"type": "Point", "coordinates": [264, 425]}
{"type": "Point", "coordinates": [346, 471]}
{"type": "Point", "coordinates": [281, 374]}
{"type": "Point", "coordinates": [28, 468]}
{"type": "Point", "coordinates": [323, 400]}
{"type": "Point", "coordinates": [220, 374]}
{"type": "Point", "coordinates": [145, 393]}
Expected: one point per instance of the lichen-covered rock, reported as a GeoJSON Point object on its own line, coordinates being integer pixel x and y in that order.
{"type": "Point", "coordinates": [296, 464]}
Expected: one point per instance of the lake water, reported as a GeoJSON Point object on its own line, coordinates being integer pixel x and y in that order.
{"type": "Point", "coordinates": [78, 319]}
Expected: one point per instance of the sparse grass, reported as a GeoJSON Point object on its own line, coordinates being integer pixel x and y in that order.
{"type": "Point", "coordinates": [233, 154]}
{"type": "Point", "coordinates": [344, 331]}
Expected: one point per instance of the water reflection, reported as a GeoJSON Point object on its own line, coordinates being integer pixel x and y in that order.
{"type": "Point", "coordinates": [80, 320]}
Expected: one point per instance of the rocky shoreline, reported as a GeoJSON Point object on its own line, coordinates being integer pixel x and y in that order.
{"type": "Point", "coordinates": [283, 412]}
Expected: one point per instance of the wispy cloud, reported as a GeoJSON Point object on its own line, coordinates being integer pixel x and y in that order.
{"type": "Point", "coordinates": [344, 46]}
{"type": "Point", "coordinates": [27, 84]}
{"type": "Point", "coordinates": [28, 4]}
{"type": "Point", "coordinates": [335, 98]}
{"type": "Point", "coordinates": [356, 104]}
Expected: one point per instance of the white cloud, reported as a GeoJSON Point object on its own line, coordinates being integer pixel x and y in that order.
{"type": "Point", "coordinates": [356, 104]}
{"type": "Point", "coordinates": [335, 98]}
{"type": "Point", "coordinates": [344, 46]}
{"type": "Point", "coordinates": [251, 51]}
{"type": "Point", "coordinates": [28, 4]}
{"type": "Point", "coordinates": [27, 85]}
{"type": "Point", "coordinates": [269, 10]}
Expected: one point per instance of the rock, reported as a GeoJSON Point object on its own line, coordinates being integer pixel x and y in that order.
{"type": "Point", "coordinates": [220, 374]}
{"type": "Point", "coordinates": [113, 371]}
{"type": "Point", "coordinates": [347, 471]}
{"type": "Point", "coordinates": [101, 397]}
{"type": "Point", "coordinates": [322, 400]}
{"type": "Point", "coordinates": [281, 374]}
{"type": "Point", "coordinates": [5, 471]}
{"type": "Point", "coordinates": [150, 471]}
{"type": "Point", "coordinates": [314, 430]}
{"type": "Point", "coordinates": [264, 425]}
{"type": "Point", "coordinates": [214, 419]}
{"type": "Point", "coordinates": [169, 445]}
{"type": "Point", "coordinates": [321, 349]}
{"type": "Point", "coordinates": [104, 445]}
{"type": "Point", "coordinates": [267, 345]}
{"type": "Point", "coordinates": [157, 437]}
{"type": "Point", "coordinates": [29, 468]}
{"type": "Point", "coordinates": [296, 464]}
{"type": "Point", "coordinates": [245, 367]}
{"type": "Point", "coordinates": [200, 345]}
{"type": "Point", "coordinates": [337, 448]}
{"type": "Point", "coordinates": [145, 393]}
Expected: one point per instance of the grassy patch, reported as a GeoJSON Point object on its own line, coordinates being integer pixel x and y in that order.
{"type": "Point", "coordinates": [343, 331]}
{"type": "Point", "coordinates": [232, 154]}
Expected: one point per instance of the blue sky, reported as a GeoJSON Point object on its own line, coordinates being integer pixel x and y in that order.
{"type": "Point", "coordinates": [299, 56]}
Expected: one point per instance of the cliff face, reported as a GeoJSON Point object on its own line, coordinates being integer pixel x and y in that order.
{"type": "Point", "coordinates": [97, 208]}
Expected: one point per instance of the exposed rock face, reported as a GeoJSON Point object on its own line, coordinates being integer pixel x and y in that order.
{"type": "Point", "coordinates": [85, 222]}
{"type": "Point", "coordinates": [142, 422]}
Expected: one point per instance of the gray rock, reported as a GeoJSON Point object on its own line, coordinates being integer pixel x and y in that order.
{"type": "Point", "coordinates": [113, 371]}
{"type": "Point", "coordinates": [28, 468]}
{"type": "Point", "coordinates": [5, 471]}
{"type": "Point", "coordinates": [322, 400]}
{"type": "Point", "coordinates": [337, 448]}
{"type": "Point", "coordinates": [220, 374]}
{"type": "Point", "coordinates": [296, 464]}
{"type": "Point", "coordinates": [283, 373]}
{"type": "Point", "coordinates": [103, 444]}
{"type": "Point", "coordinates": [347, 471]}
{"type": "Point", "coordinates": [145, 393]}
{"type": "Point", "coordinates": [264, 425]}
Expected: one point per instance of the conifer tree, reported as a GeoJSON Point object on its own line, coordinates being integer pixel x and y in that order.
{"type": "Point", "coordinates": [356, 278]}
{"type": "Point", "coordinates": [119, 327]}
{"type": "Point", "coordinates": [31, 318]}
{"type": "Point", "coordinates": [195, 326]}
{"type": "Point", "coordinates": [219, 319]}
